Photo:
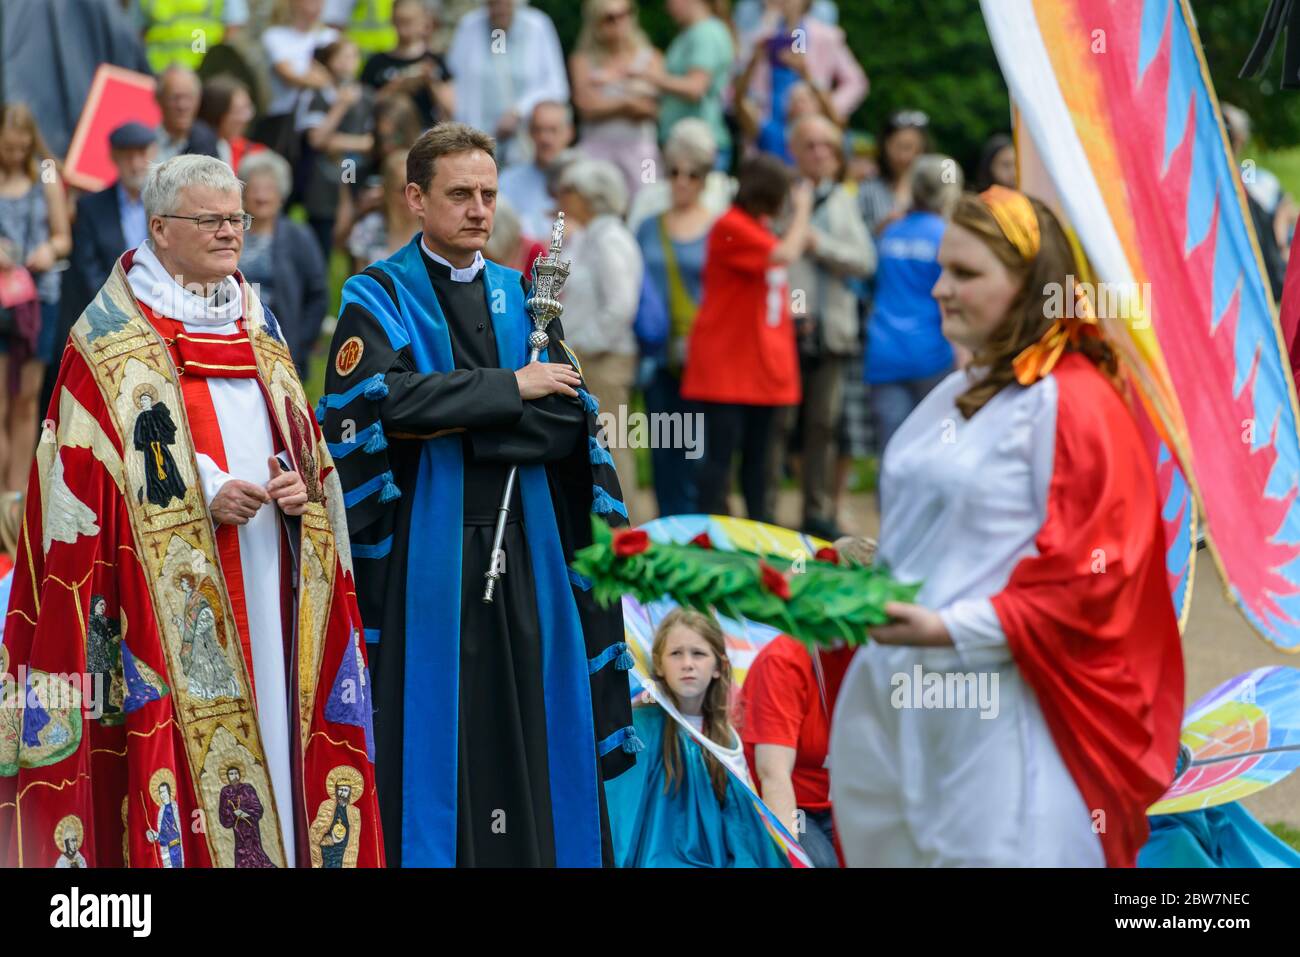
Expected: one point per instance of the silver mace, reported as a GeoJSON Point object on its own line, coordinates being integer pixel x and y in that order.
{"type": "Point", "coordinates": [549, 275]}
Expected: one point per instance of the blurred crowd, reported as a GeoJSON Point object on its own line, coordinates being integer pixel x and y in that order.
{"type": "Point", "coordinates": [739, 251]}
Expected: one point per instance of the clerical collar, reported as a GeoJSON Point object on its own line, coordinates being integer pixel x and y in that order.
{"type": "Point", "coordinates": [161, 292]}
{"type": "Point", "coordinates": [457, 275]}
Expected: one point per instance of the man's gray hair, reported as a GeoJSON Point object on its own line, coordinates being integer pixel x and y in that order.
{"type": "Point", "coordinates": [268, 163]}
{"type": "Point", "coordinates": [936, 183]}
{"type": "Point", "coordinates": [691, 141]}
{"type": "Point", "coordinates": [599, 182]}
{"type": "Point", "coordinates": [162, 187]}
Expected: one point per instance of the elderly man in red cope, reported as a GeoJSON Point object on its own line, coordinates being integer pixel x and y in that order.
{"type": "Point", "coordinates": [181, 476]}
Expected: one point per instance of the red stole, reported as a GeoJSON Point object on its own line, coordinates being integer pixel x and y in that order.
{"type": "Point", "coordinates": [1089, 619]}
{"type": "Point", "coordinates": [200, 356]}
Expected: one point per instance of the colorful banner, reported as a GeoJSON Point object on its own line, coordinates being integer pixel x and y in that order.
{"type": "Point", "coordinates": [1240, 738]}
{"type": "Point", "coordinates": [1177, 508]}
{"type": "Point", "coordinates": [1117, 101]}
{"type": "Point", "coordinates": [744, 638]}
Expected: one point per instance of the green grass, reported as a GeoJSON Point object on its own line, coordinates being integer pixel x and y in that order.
{"type": "Point", "coordinates": [1287, 833]}
{"type": "Point", "coordinates": [1284, 164]}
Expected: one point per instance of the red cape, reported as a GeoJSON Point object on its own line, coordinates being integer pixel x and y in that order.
{"type": "Point", "coordinates": [1089, 618]}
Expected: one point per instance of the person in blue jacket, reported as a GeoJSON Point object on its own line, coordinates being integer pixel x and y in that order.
{"type": "Point", "coordinates": [679, 806]}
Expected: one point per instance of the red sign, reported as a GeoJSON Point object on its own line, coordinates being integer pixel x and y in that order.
{"type": "Point", "coordinates": [117, 96]}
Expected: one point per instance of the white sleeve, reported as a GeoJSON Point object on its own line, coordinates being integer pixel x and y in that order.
{"type": "Point", "coordinates": [554, 80]}
{"type": "Point", "coordinates": [973, 625]}
{"type": "Point", "coordinates": [620, 283]}
{"type": "Point", "coordinates": [211, 477]}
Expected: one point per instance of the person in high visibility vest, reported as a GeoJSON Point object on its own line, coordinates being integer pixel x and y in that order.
{"type": "Point", "coordinates": [368, 23]}
{"type": "Point", "coordinates": [182, 31]}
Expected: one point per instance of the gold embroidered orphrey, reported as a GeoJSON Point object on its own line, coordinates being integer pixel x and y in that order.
{"type": "Point", "coordinates": [123, 350]}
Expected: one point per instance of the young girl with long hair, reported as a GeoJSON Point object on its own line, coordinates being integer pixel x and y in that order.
{"type": "Point", "coordinates": [678, 807]}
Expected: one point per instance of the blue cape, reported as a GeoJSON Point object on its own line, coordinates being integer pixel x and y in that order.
{"type": "Point", "coordinates": [433, 591]}
{"type": "Point", "coordinates": [685, 828]}
{"type": "Point", "coordinates": [1223, 836]}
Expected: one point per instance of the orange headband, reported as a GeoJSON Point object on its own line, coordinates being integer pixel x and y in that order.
{"type": "Point", "coordinates": [1015, 216]}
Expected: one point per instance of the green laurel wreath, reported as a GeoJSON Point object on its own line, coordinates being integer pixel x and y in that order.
{"type": "Point", "coordinates": [826, 601]}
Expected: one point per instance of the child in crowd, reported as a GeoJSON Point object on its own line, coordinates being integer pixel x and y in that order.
{"type": "Point", "coordinates": [678, 807]}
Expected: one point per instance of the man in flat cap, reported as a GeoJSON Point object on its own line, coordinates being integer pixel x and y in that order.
{"type": "Point", "coordinates": [108, 224]}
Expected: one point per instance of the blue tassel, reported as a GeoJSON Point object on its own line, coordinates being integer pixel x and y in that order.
{"type": "Point", "coordinates": [632, 743]}
{"type": "Point", "coordinates": [390, 490]}
{"type": "Point", "coordinates": [378, 389]}
{"type": "Point", "coordinates": [320, 411]}
{"type": "Point", "coordinates": [599, 454]}
{"type": "Point", "coordinates": [602, 503]}
{"type": "Point", "coordinates": [589, 401]}
{"type": "Point", "coordinates": [625, 661]}
{"type": "Point", "coordinates": [376, 442]}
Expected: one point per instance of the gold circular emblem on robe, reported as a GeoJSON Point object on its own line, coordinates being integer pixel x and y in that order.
{"type": "Point", "coordinates": [349, 356]}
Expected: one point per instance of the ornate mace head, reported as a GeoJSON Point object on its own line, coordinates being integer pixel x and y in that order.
{"type": "Point", "coordinates": [549, 275]}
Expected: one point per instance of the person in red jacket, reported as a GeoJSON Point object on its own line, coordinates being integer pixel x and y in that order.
{"type": "Point", "coordinates": [742, 362]}
{"type": "Point", "coordinates": [784, 718]}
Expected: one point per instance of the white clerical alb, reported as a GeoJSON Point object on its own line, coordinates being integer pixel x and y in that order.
{"type": "Point", "coordinates": [979, 785]}
{"type": "Point", "coordinates": [246, 436]}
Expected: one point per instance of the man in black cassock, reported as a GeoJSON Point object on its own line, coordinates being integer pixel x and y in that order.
{"type": "Point", "coordinates": [495, 724]}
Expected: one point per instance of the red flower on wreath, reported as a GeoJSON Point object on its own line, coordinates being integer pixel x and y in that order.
{"type": "Point", "coordinates": [702, 540]}
{"type": "Point", "coordinates": [827, 554]}
{"type": "Point", "coordinates": [632, 541]}
{"type": "Point", "coordinates": [773, 581]}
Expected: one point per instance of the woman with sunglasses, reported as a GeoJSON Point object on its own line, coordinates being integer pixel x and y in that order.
{"type": "Point", "coordinates": [673, 244]}
{"type": "Point", "coordinates": [616, 105]}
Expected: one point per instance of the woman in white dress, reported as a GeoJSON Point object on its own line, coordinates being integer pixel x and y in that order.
{"type": "Point", "coordinates": [1025, 712]}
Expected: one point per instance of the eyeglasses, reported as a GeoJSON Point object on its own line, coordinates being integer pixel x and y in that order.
{"type": "Point", "coordinates": [675, 171]}
{"type": "Point", "coordinates": [211, 222]}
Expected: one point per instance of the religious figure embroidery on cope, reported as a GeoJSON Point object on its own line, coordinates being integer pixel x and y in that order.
{"type": "Point", "coordinates": [241, 812]}
{"type": "Point", "coordinates": [104, 659]}
{"type": "Point", "coordinates": [40, 723]}
{"type": "Point", "coordinates": [203, 659]}
{"type": "Point", "coordinates": [154, 433]}
{"type": "Point", "coordinates": [166, 829]}
{"type": "Point", "coordinates": [141, 683]}
{"type": "Point", "coordinates": [11, 720]}
{"type": "Point", "coordinates": [302, 438]}
{"type": "Point", "coordinates": [68, 835]}
{"type": "Point", "coordinates": [337, 826]}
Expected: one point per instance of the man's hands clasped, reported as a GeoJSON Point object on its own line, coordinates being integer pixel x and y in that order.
{"type": "Point", "coordinates": [238, 501]}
